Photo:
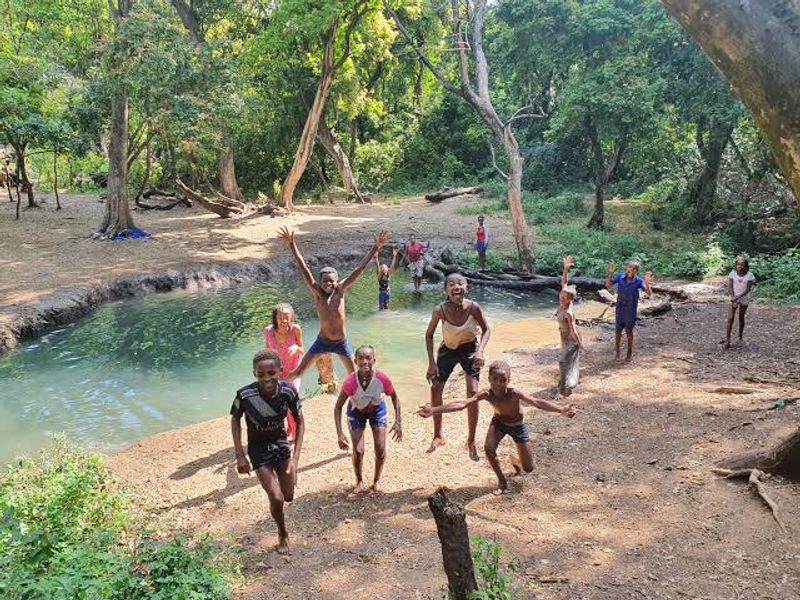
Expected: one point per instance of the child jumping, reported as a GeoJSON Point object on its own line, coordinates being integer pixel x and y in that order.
{"type": "Point", "coordinates": [365, 389]}
{"type": "Point", "coordinates": [740, 284]}
{"type": "Point", "coordinates": [507, 419]}
{"type": "Point", "coordinates": [481, 243]}
{"type": "Point", "coordinates": [628, 285]}
{"type": "Point", "coordinates": [384, 274]}
{"type": "Point", "coordinates": [462, 320]}
{"type": "Point", "coordinates": [286, 338]}
{"type": "Point", "coordinates": [571, 342]}
{"type": "Point", "coordinates": [265, 404]}
{"type": "Point", "coordinates": [329, 296]}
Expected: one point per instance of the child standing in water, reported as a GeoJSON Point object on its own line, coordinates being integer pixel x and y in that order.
{"type": "Point", "coordinates": [416, 261]}
{"type": "Point", "coordinates": [265, 404]}
{"type": "Point", "coordinates": [507, 419]}
{"type": "Point", "coordinates": [628, 285]}
{"type": "Point", "coordinates": [328, 297]}
{"type": "Point", "coordinates": [740, 284]}
{"type": "Point", "coordinates": [286, 338]}
{"type": "Point", "coordinates": [571, 342]}
{"type": "Point", "coordinates": [365, 389]}
{"type": "Point", "coordinates": [384, 280]}
{"type": "Point", "coordinates": [481, 242]}
{"type": "Point", "coordinates": [462, 321]}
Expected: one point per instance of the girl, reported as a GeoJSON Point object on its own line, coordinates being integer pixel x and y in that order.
{"type": "Point", "coordinates": [384, 274]}
{"type": "Point", "coordinates": [571, 343]}
{"type": "Point", "coordinates": [740, 284]}
{"type": "Point", "coordinates": [481, 243]}
{"type": "Point", "coordinates": [264, 404]}
{"type": "Point", "coordinates": [365, 390]}
{"type": "Point", "coordinates": [285, 337]}
{"type": "Point", "coordinates": [462, 320]}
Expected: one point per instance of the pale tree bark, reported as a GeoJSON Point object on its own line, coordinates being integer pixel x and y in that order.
{"type": "Point", "coordinates": [480, 99]}
{"type": "Point", "coordinates": [227, 175]}
{"type": "Point", "coordinates": [756, 46]}
{"type": "Point", "coordinates": [339, 156]}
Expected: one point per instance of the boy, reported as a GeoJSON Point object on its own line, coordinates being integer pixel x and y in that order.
{"type": "Point", "coordinates": [571, 341]}
{"type": "Point", "coordinates": [462, 321]}
{"type": "Point", "coordinates": [507, 420]}
{"type": "Point", "coordinates": [416, 261]}
{"type": "Point", "coordinates": [328, 297]}
{"type": "Point", "coordinates": [265, 404]}
{"type": "Point", "coordinates": [481, 243]}
{"type": "Point", "coordinates": [628, 285]}
{"type": "Point", "coordinates": [365, 389]}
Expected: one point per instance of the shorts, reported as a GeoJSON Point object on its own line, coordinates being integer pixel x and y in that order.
{"type": "Point", "coordinates": [518, 431]}
{"type": "Point", "coordinates": [625, 319]}
{"type": "Point", "coordinates": [384, 297]}
{"type": "Point", "coordinates": [481, 246]}
{"type": "Point", "coordinates": [323, 346]}
{"type": "Point", "coordinates": [417, 268]}
{"type": "Point", "coordinates": [447, 359]}
{"type": "Point", "coordinates": [357, 419]}
{"type": "Point", "coordinates": [268, 454]}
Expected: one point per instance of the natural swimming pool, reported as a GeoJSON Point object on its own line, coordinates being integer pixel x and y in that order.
{"type": "Point", "coordinates": [138, 367]}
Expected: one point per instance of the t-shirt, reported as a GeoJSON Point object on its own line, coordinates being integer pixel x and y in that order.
{"type": "Point", "coordinates": [360, 397]}
{"type": "Point", "coordinates": [480, 234]}
{"type": "Point", "coordinates": [383, 283]}
{"type": "Point", "coordinates": [414, 251]}
{"type": "Point", "coordinates": [265, 416]}
{"type": "Point", "coordinates": [740, 281]}
{"type": "Point", "coordinates": [628, 291]}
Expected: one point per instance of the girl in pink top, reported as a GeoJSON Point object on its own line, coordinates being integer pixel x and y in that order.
{"type": "Point", "coordinates": [286, 338]}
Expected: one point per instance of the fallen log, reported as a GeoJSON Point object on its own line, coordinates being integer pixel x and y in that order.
{"type": "Point", "coordinates": [653, 309]}
{"type": "Point", "coordinates": [221, 205]}
{"type": "Point", "coordinates": [446, 192]}
{"type": "Point", "coordinates": [451, 525]}
{"type": "Point", "coordinates": [508, 281]}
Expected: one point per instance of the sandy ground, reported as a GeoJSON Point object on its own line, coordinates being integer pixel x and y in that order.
{"type": "Point", "coordinates": [622, 503]}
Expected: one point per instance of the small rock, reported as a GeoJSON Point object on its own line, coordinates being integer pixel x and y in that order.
{"type": "Point", "coordinates": [600, 477]}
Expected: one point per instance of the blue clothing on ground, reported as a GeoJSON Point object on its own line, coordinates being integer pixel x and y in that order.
{"type": "Point", "coordinates": [627, 300]}
{"type": "Point", "coordinates": [323, 346]}
{"type": "Point", "coordinates": [357, 419]}
{"type": "Point", "coordinates": [132, 233]}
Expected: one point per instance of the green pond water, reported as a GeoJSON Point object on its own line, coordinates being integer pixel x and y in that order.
{"type": "Point", "coordinates": [138, 367]}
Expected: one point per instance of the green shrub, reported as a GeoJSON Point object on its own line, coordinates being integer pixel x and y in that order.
{"type": "Point", "coordinates": [493, 583]}
{"type": "Point", "coordinates": [777, 275]}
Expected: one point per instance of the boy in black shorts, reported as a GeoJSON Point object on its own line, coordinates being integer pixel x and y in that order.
{"type": "Point", "coordinates": [507, 419]}
{"type": "Point", "coordinates": [264, 404]}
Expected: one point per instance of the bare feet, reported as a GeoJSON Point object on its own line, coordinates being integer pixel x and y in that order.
{"type": "Point", "coordinates": [376, 488]}
{"type": "Point", "coordinates": [514, 460]}
{"type": "Point", "coordinates": [628, 358]}
{"type": "Point", "coordinates": [358, 489]}
{"type": "Point", "coordinates": [283, 546]}
{"type": "Point", "coordinates": [502, 487]}
{"type": "Point", "coordinates": [473, 452]}
{"type": "Point", "coordinates": [727, 345]}
{"type": "Point", "coordinates": [437, 442]}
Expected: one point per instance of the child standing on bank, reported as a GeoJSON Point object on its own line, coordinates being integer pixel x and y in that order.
{"type": "Point", "coordinates": [571, 341]}
{"type": "Point", "coordinates": [384, 274]}
{"type": "Point", "coordinates": [507, 419]}
{"type": "Point", "coordinates": [481, 242]}
{"type": "Point", "coordinates": [329, 296]}
{"type": "Point", "coordinates": [628, 285]}
{"type": "Point", "coordinates": [365, 389]}
{"type": "Point", "coordinates": [286, 338]}
{"type": "Point", "coordinates": [265, 404]}
{"type": "Point", "coordinates": [740, 284]}
{"type": "Point", "coordinates": [462, 320]}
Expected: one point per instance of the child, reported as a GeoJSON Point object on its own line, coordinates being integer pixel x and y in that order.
{"type": "Point", "coordinates": [384, 279]}
{"type": "Point", "coordinates": [286, 338]}
{"type": "Point", "coordinates": [328, 297]}
{"type": "Point", "coordinates": [571, 342]}
{"type": "Point", "coordinates": [264, 404]}
{"type": "Point", "coordinates": [461, 320]}
{"type": "Point", "coordinates": [628, 285]}
{"type": "Point", "coordinates": [740, 284]}
{"type": "Point", "coordinates": [365, 388]}
{"type": "Point", "coordinates": [507, 419]}
{"type": "Point", "coordinates": [416, 260]}
{"type": "Point", "coordinates": [481, 243]}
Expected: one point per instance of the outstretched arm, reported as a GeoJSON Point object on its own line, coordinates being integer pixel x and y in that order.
{"type": "Point", "coordinates": [568, 410]}
{"type": "Point", "coordinates": [380, 239]}
{"type": "Point", "coordinates": [427, 410]}
{"type": "Point", "coordinates": [648, 283]}
{"type": "Point", "coordinates": [394, 260]}
{"type": "Point", "coordinates": [568, 262]}
{"type": "Point", "coordinates": [377, 265]}
{"type": "Point", "coordinates": [288, 238]}
{"type": "Point", "coordinates": [611, 270]}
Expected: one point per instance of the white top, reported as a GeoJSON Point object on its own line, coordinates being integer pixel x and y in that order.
{"type": "Point", "coordinates": [457, 335]}
{"type": "Point", "coordinates": [740, 281]}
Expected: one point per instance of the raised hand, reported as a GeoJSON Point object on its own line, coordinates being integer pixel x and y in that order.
{"type": "Point", "coordinates": [425, 411]}
{"type": "Point", "coordinates": [569, 261]}
{"type": "Point", "coordinates": [648, 278]}
{"type": "Point", "coordinates": [397, 432]}
{"type": "Point", "coordinates": [395, 251]}
{"type": "Point", "coordinates": [286, 235]}
{"type": "Point", "coordinates": [381, 239]}
{"type": "Point", "coordinates": [612, 268]}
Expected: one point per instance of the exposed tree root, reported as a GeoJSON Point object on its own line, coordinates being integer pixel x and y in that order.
{"type": "Point", "coordinates": [753, 478]}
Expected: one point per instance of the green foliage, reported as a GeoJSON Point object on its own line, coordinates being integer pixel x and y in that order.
{"type": "Point", "coordinates": [778, 276]}
{"type": "Point", "coordinates": [68, 531]}
{"type": "Point", "coordinates": [493, 583]}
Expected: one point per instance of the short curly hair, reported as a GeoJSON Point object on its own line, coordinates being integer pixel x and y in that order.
{"type": "Point", "coordinates": [266, 354]}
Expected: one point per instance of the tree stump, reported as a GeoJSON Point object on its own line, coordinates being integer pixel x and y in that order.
{"type": "Point", "coordinates": [327, 376]}
{"type": "Point", "coordinates": [451, 525]}
{"type": "Point", "coordinates": [781, 459]}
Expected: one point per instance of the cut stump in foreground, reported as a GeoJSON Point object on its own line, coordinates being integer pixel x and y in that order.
{"type": "Point", "coordinates": [451, 525]}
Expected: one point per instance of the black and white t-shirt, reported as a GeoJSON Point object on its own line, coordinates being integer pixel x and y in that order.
{"type": "Point", "coordinates": [265, 416]}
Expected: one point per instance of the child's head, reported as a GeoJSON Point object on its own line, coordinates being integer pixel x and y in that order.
{"type": "Point", "coordinates": [328, 279]}
{"type": "Point", "coordinates": [455, 286]}
{"type": "Point", "coordinates": [412, 238]}
{"type": "Point", "coordinates": [267, 368]}
{"type": "Point", "coordinates": [499, 376]}
{"type": "Point", "coordinates": [365, 358]}
{"type": "Point", "coordinates": [282, 316]}
{"type": "Point", "coordinates": [480, 219]}
{"type": "Point", "coordinates": [567, 295]}
{"type": "Point", "coordinates": [384, 270]}
{"type": "Point", "coordinates": [742, 264]}
{"type": "Point", "coordinates": [631, 268]}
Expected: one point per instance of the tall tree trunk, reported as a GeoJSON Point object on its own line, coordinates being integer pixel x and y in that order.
{"type": "Point", "coordinates": [306, 144]}
{"type": "Point", "coordinates": [603, 171]}
{"type": "Point", "coordinates": [337, 153]}
{"type": "Point", "coordinates": [118, 213]}
{"type": "Point", "coordinates": [23, 183]}
{"type": "Point", "coordinates": [522, 236]}
{"type": "Point", "coordinates": [703, 189]}
{"type": "Point", "coordinates": [55, 179]}
{"type": "Point", "coordinates": [227, 175]}
{"type": "Point", "coordinates": [756, 46]}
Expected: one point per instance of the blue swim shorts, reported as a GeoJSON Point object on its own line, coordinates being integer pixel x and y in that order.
{"type": "Point", "coordinates": [323, 346]}
{"type": "Point", "coordinates": [357, 419]}
{"type": "Point", "coordinates": [384, 297]}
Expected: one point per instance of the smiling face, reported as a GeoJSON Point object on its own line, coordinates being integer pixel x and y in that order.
{"type": "Point", "coordinates": [328, 281]}
{"type": "Point", "coordinates": [564, 299]}
{"type": "Point", "coordinates": [455, 286]}
{"type": "Point", "coordinates": [284, 318]}
{"type": "Point", "coordinates": [267, 372]}
{"type": "Point", "coordinates": [365, 360]}
{"type": "Point", "coordinates": [499, 376]}
{"type": "Point", "coordinates": [631, 269]}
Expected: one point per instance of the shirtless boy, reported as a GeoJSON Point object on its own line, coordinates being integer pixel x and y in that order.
{"type": "Point", "coordinates": [328, 297]}
{"type": "Point", "coordinates": [507, 419]}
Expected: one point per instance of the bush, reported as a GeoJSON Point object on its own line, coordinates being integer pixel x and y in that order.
{"type": "Point", "coordinates": [493, 583]}
{"type": "Point", "coordinates": [778, 275]}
